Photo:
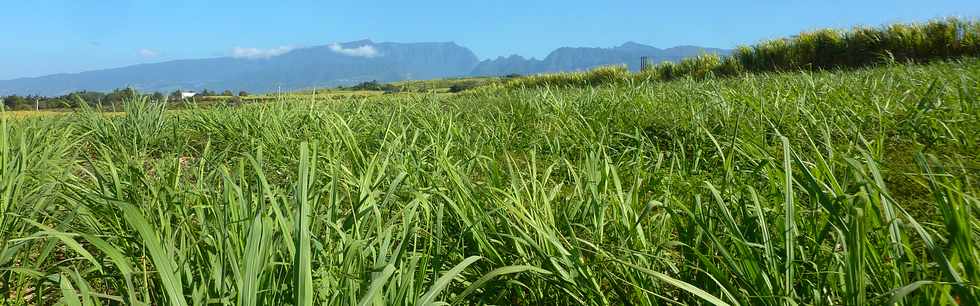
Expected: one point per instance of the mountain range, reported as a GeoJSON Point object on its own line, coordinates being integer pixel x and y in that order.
{"type": "Point", "coordinates": [338, 64]}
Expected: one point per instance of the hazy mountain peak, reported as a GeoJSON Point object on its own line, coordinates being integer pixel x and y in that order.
{"type": "Point", "coordinates": [338, 64]}
{"type": "Point", "coordinates": [358, 43]}
{"type": "Point", "coordinates": [633, 45]}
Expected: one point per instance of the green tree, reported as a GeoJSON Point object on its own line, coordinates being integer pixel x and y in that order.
{"type": "Point", "coordinates": [157, 97]}
{"type": "Point", "coordinates": [175, 95]}
{"type": "Point", "coordinates": [17, 102]}
{"type": "Point", "coordinates": [75, 99]}
{"type": "Point", "coordinates": [119, 96]}
{"type": "Point", "coordinates": [458, 87]}
{"type": "Point", "coordinates": [370, 85]}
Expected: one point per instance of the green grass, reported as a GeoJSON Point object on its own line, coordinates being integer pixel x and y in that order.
{"type": "Point", "coordinates": [825, 49]}
{"type": "Point", "coordinates": [444, 85]}
{"type": "Point", "coordinates": [825, 188]}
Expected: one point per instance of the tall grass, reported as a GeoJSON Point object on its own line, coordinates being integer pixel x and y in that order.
{"type": "Point", "coordinates": [816, 50]}
{"type": "Point", "coordinates": [600, 75]}
{"type": "Point", "coordinates": [824, 188]}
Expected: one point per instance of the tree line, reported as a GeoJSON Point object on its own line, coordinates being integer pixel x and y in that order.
{"type": "Point", "coordinates": [95, 98]}
{"type": "Point", "coordinates": [826, 49]}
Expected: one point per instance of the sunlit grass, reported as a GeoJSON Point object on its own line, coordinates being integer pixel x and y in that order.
{"type": "Point", "coordinates": [29, 114]}
{"type": "Point", "coordinates": [825, 188]}
{"type": "Point", "coordinates": [825, 49]}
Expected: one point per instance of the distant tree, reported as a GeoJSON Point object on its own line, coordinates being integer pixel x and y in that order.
{"type": "Point", "coordinates": [119, 96]}
{"type": "Point", "coordinates": [76, 99]}
{"type": "Point", "coordinates": [242, 93]}
{"type": "Point", "coordinates": [33, 101]}
{"type": "Point", "coordinates": [55, 102]}
{"type": "Point", "coordinates": [175, 95]}
{"type": "Point", "coordinates": [389, 89]}
{"type": "Point", "coordinates": [512, 75]}
{"type": "Point", "coordinates": [369, 85]}
{"type": "Point", "coordinates": [17, 102]}
{"type": "Point", "coordinates": [459, 87]}
{"type": "Point", "coordinates": [157, 97]}
{"type": "Point", "coordinates": [374, 86]}
{"type": "Point", "coordinates": [10, 101]}
{"type": "Point", "coordinates": [227, 93]}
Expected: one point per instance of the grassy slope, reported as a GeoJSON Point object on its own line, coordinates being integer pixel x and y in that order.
{"type": "Point", "coordinates": [443, 85]}
{"type": "Point", "coordinates": [821, 188]}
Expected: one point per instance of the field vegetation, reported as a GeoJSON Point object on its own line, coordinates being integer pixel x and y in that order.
{"type": "Point", "coordinates": [849, 186]}
{"type": "Point", "coordinates": [448, 85]}
{"type": "Point", "coordinates": [825, 49]}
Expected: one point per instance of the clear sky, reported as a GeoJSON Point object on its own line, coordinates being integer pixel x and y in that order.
{"type": "Point", "coordinates": [41, 37]}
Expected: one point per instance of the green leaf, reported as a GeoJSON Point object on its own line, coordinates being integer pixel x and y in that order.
{"type": "Point", "coordinates": [679, 284]}
{"type": "Point", "coordinates": [442, 282]}
{"type": "Point", "coordinates": [496, 273]}
{"type": "Point", "coordinates": [162, 259]}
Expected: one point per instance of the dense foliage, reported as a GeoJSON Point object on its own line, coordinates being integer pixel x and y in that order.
{"type": "Point", "coordinates": [447, 85]}
{"type": "Point", "coordinates": [822, 188]}
{"type": "Point", "coordinates": [371, 86]}
{"type": "Point", "coordinates": [75, 99]}
{"type": "Point", "coordinates": [817, 50]}
{"type": "Point", "coordinates": [113, 99]}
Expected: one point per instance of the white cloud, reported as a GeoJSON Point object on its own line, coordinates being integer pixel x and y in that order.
{"type": "Point", "coordinates": [256, 53]}
{"type": "Point", "coordinates": [362, 51]}
{"type": "Point", "coordinates": [148, 53]}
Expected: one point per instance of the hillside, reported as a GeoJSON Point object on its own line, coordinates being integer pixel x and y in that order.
{"type": "Point", "coordinates": [301, 68]}
{"type": "Point", "coordinates": [332, 65]}
{"type": "Point", "coordinates": [576, 59]}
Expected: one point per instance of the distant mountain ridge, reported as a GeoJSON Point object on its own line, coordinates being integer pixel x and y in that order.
{"type": "Point", "coordinates": [574, 59]}
{"type": "Point", "coordinates": [337, 64]}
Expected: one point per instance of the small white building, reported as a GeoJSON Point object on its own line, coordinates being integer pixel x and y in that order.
{"type": "Point", "coordinates": [187, 94]}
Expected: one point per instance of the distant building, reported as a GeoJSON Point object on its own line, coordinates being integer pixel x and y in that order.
{"type": "Point", "coordinates": [187, 94]}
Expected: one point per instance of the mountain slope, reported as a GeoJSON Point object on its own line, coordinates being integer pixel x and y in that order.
{"type": "Point", "coordinates": [300, 68]}
{"type": "Point", "coordinates": [336, 64]}
{"type": "Point", "coordinates": [573, 59]}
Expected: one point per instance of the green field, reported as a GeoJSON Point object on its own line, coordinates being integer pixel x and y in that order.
{"type": "Point", "coordinates": [846, 187]}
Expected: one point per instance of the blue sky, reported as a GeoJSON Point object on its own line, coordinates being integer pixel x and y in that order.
{"type": "Point", "coordinates": [51, 36]}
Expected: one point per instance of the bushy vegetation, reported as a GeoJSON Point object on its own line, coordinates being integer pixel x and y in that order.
{"type": "Point", "coordinates": [597, 76]}
{"type": "Point", "coordinates": [461, 87]}
{"type": "Point", "coordinates": [827, 49]}
{"type": "Point", "coordinates": [371, 86]}
{"type": "Point", "coordinates": [445, 85]}
{"type": "Point", "coordinates": [816, 50]}
{"type": "Point", "coordinates": [113, 99]}
{"type": "Point", "coordinates": [824, 188]}
{"type": "Point", "coordinates": [450, 85]}
{"type": "Point", "coordinates": [75, 99]}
